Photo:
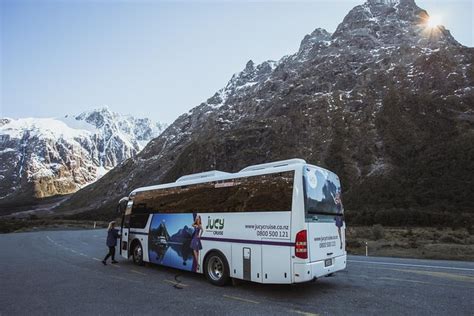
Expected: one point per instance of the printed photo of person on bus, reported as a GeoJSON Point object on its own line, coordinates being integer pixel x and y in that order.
{"type": "Point", "coordinates": [339, 219]}
{"type": "Point", "coordinates": [196, 241]}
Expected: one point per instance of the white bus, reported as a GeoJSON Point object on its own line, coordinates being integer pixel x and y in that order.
{"type": "Point", "coordinates": [279, 222]}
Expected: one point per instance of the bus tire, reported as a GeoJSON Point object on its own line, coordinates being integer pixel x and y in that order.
{"type": "Point", "coordinates": [137, 253]}
{"type": "Point", "coordinates": [216, 268]}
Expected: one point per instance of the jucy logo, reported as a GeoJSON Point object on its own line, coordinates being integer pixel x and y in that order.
{"type": "Point", "coordinates": [217, 223]}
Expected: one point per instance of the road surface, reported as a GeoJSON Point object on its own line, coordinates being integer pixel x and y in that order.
{"type": "Point", "coordinates": [59, 272]}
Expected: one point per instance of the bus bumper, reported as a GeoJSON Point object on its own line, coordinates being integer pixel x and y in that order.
{"type": "Point", "coordinates": [304, 272]}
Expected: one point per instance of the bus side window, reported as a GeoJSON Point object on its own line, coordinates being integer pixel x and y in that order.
{"type": "Point", "coordinates": [138, 220]}
{"type": "Point", "coordinates": [261, 193]}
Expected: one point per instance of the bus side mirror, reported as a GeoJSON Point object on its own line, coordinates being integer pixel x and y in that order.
{"type": "Point", "coordinates": [122, 205]}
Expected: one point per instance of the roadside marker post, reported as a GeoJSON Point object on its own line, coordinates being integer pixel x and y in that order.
{"type": "Point", "coordinates": [366, 249]}
{"type": "Point", "coordinates": [94, 224]}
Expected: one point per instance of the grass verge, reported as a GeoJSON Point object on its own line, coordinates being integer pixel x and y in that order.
{"type": "Point", "coordinates": [411, 242]}
{"type": "Point", "coordinates": [32, 224]}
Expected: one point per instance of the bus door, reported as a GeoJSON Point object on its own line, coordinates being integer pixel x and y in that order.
{"type": "Point", "coordinates": [125, 231]}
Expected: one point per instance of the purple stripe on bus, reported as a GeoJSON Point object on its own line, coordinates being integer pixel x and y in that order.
{"type": "Point", "coordinates": [256, 242]}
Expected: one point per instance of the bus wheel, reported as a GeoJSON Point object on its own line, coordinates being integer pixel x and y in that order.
{"type": "Point", "coordinates": [216, 269]}
{"type": "Point", "coordinates": [138, 254]}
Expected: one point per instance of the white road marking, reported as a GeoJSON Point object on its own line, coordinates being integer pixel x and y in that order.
{"type": "Point", "coordinates": [241, 299]}
{"type": "Point", "coordinates": [407, 280]}
{"type": "Point", "coordinates": [410, 265]}
{"type": "Point", "coordinates": [72, 250]}
{"type": "Point", "coordinates": [138, 272]}
{"type": "Point", "coordinates": [303, 313]}
{"type": "Point", "coordinates": [96, 259]}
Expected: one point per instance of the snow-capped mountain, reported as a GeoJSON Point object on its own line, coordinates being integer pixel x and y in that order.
{"type": "Point", "coordinates": [386, 101]}
{"type": "Point", "coordinates": [41, 157]}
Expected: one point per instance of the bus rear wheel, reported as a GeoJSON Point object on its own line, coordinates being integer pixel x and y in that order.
{"type": "Point", "coordinates": [137, 254]}
{"type": "Point", "coordinates": [216, 269]}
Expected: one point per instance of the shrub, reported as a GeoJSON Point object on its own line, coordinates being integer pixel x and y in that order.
{"type": "Point", "coordinates": [353, 243]}
{"type": "Point", "coordinates": [450, 240]}
{"type": "Point", "coordinates": [470, 229]}
{"type": "Point", "coordinates": [378, 232]}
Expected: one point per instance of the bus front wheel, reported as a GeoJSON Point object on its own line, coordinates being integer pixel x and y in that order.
{"type": "Point", "coordinates": [216, 269]}
{"type": "Point", "coordinates": [137, 254]}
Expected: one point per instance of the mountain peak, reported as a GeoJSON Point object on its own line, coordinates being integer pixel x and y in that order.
{"type": "Point", "coordinates": [391, 3]}
{"type": "Point", "coordinates": [249, 67]}
{"type": "Point", "coordinates": [390, 22]}
{"type": "Point", "coordinates": [318, 36]}
{"type": "Point", "coordinates": [97, 117]}
{"type": "Point", "coordinates": [402, 9]}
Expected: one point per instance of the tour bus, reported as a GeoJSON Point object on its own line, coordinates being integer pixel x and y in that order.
{"type": "Point", "coordinates": [279, 222]}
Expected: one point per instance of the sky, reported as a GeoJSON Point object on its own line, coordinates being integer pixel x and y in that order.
{"type": "Point", "coordinates": [156, 59]}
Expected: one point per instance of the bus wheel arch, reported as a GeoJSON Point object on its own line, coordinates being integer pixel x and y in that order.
{"type": "Point", "coordinates": [216, 267]}
{"type": "Point", "coordinates": [136, 251]}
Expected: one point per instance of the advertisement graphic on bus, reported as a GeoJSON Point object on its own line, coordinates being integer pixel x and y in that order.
{"type": "Point", "coordinates": [169, 241]}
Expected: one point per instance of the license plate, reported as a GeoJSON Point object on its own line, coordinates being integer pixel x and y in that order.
{"type": "Point", "coordinates": [327, 262]}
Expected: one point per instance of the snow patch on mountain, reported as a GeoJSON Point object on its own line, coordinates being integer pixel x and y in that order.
{"type": "Point", "coordinates": [43, 128]}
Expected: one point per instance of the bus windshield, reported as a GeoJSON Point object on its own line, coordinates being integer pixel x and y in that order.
{"type": "Point", "coordinates": [322, 191]}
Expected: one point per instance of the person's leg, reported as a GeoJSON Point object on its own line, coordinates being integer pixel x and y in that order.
{"type": "Point", "coordinates": [196, 255]}
{"type": "Point", "coordinates": [112, 250]}
{"type": "Point", "coordinates": [195, 261]}
{"type": "Point", "coordinates": [108, 255]}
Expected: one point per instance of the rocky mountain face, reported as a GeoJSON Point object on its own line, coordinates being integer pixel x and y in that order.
{"type": "Point", "coordinates": [386, 101]}
{"type": "Point", "coordinates": [41, 157]}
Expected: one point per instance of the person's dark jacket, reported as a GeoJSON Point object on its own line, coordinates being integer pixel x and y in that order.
{"type": "Point", "coordinates": [112, 236]}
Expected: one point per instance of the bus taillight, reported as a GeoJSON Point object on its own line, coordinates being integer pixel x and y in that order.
{"type": "Point", "coordinates": [301, 248]}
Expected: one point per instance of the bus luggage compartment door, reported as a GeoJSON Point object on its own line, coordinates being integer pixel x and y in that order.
{"type": "Point", "coordinates": [276, 266]}
{"type": "Point", "coordinates": [247, 263]}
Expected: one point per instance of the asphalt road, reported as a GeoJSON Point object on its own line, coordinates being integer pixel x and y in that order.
{"type": "Point", "coordinates": [59, 272]}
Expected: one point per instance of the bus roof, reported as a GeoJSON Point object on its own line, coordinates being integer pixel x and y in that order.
{"type": "Point", "coordinates": [209, 176]}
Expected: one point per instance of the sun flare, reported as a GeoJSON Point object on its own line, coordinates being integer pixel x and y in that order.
{"type": "Point", "coordinates": [433, 21]}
